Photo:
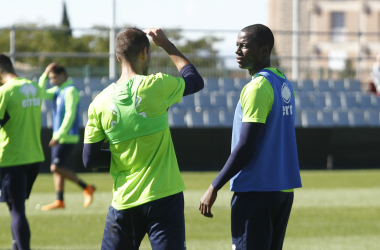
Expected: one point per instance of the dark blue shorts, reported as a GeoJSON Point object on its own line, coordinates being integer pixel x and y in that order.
{"type": "Point", "coordinates": [16, 182]}
{"type": "Point", "coordinates": [259, 219]}
{"type": "Point", "coordinates": [163, 220]}
{"type": "Point", "coordinates": [60, 154]}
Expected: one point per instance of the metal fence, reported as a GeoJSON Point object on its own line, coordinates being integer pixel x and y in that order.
{"type": "Point", "coordinates": [215, 59]}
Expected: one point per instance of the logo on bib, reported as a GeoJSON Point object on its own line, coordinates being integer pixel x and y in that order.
{"type": "Point", "coordinates": [28, 90]}
{"type": "Point", "coordinates": [286, 96]}
{"type": "Point", "coordinates": [285, 93]}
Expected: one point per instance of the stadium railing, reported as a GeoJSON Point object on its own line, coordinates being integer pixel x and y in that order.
{"type": "Point", "coordinates": [319, 103]}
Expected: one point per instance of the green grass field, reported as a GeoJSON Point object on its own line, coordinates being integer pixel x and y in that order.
{"type": "Point", "coordinates": [334, 210]}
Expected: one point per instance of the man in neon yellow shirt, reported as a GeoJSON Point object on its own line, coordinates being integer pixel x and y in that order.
{"type": "Point", "coordinates": [65, 132]}
{"type": "Point", "coordinates": [131, 115]}
{"type": "Point", "coordinates": [20, 146]}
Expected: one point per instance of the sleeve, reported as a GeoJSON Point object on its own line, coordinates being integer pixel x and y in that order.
{"type": "Point", "coordinates": [71, 103]}
{"type": "Point", "coordinates": [95, 157]}
{"type": "Point", "coordinates": [3, 103]}
{"type": "Point", "coordinates": [173, 88]}
{"type": "Point", "coordinates": [256, 100]}
{"type": "Point", "coordinates": [193, 80]}
{"type": "Point", "coordinates": [93, 131]}
{"type": "Point", "coordinates": [48, 93]}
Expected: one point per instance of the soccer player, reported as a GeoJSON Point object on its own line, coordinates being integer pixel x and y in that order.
{"type": "Point", "coordinates": [131, 115]}
{"type": "Point", "coordinates": [20, 146]}
{"type": "Point", "coordinates": [65, 133]}
{"type": "Point", "coordinates": [263, 166]}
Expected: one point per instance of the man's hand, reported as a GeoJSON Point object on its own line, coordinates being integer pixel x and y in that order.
{"type": "Point", "coordinates": [207, 201]}
{"type": "Point", "coordinates": [161, 40]}
{"type": "Point", "coordinates": [50, 67]}
{"type": "Point", "coordinates": [53, 142]}
{"type": "Point", "coordinates": [158, 36]}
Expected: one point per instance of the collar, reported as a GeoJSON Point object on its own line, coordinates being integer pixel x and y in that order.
{"type": "Point", "coordinates": [268, 68]}
{"type": "Point", "coordinates": [65, 84]}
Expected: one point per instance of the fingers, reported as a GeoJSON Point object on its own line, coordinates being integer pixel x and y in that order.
{"type": "Point", "coordinates": [50, 67]}
{"type": "Point", "coordinates": [152, 31]}
{"type": "Point", "coordinates": [205, 210]}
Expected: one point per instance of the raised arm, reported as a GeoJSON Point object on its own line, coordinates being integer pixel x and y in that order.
{"type": "Point", "coordinates": [193, 80]}
{"type": "Point", "coordinates": [48, 93]}
{"type": "Point", "coordinates": [160, 39]}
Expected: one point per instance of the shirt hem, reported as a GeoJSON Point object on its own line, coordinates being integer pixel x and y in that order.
{"type": "Point", "coordinates": [254, 120]}
{"type": "Point", "coordinates": [263, 189]}
{"type": "Point", "coordinates": [152, 198]}
{"type": "Point", "coordinates": [15, 164]}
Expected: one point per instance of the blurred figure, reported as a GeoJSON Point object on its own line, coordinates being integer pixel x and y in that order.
{"type": "Point", "coordinates": [263, 166]}
{"type": "Point", "coordinates": [374, 80]}
{"type": "Point", "coordinates": [65, 133]}
{"type": "Point", "coordinates": [20, 146]}
{"type": "Point", "coordinates": [132, 115]}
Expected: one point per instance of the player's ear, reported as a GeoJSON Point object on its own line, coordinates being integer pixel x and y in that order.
{"type": "Point", "coordinates": [144, 53]}
{"type": "Point", "coordinates": [118, 58]}
{"type": "Point", "coordinates": [264, 50]}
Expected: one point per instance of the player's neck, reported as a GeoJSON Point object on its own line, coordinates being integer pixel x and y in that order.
{"type": "Point", "coordinates": [128, 71]}
{"type": "Point", "coordinates": [7, 77]}
{"type": "Point", "coordinates": [263, 65]}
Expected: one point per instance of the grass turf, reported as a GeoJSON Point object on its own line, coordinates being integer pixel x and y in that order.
{"type": "Point", "coordinates": [334, 210]}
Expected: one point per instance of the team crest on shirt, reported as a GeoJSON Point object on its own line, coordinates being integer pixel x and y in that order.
{"type": "Point", "coordinates": [285, 93]}
{"type": "Point", "coordinates": [286, 96]}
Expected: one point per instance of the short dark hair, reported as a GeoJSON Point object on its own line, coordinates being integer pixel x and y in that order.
{"type": "Point", "coordinates": [6, 65]}
{"type": "Point", "coordinates": [129, 44]}
{"type": "Point", "coordinates": [261, 34]}
{"type": "Point", "coordinates": [58, 69]}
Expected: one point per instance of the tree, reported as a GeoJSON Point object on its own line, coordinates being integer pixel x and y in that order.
{"type": "Point", "coordinates": [33, 38]}
{"type": "Point", "coordinates": [65, 23]}
{"type": "Point", "coordinates": [200, 52]}
{"type": "Point", "coordinates": [348, 71]}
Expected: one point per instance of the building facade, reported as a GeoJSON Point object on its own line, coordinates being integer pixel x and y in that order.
{"type": "Point", "coordinates": [337, 38]}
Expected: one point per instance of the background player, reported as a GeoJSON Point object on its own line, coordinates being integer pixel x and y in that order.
{"type": "Point", "coordinates": [132, 115]}
{"type": "Point", "coordinates": [20, 146]}
{"type": "Point", "coordinates": [263, 165]}
{"type": "Point", "coordinates": [65, 132]}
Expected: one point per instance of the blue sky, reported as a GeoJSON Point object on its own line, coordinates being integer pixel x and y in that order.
{"type": "Point", "coordinates": [190, 14]}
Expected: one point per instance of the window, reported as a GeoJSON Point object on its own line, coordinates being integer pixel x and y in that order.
{"type": "Point", "coordinates": [337, 59]}
{"type": "Point", "coordinates": [337, 26]}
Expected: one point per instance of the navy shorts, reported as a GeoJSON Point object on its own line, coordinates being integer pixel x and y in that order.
{"type": "Point", "coordinates": [259, 219]}
{"type": "Point", "coordinates": [16, 182]}
{"type": "Point", "coordinates": [163, 220]}
{"type": "Point", "coordinates": [61, 153]}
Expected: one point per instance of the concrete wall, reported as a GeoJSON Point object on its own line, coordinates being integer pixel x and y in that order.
{"type": "Point", "coordinates": [207, 149]}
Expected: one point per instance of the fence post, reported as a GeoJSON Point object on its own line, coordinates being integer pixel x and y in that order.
{"type": "Point", "coordinates": [360, 38]}
{"type": "Point", "coordinates": [112, 54]}
{"type": "Point", "coordinates": [295, 48]}
{"type": "Point", "coordinates": [12, 41]}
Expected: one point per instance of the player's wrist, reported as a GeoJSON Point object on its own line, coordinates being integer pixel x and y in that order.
{"type": "Point", "coordinates": [212, 189]}
{"type": "Point", "coordinates": [56, 136]}
{"type": "Point", "coordinates": [169, 47]}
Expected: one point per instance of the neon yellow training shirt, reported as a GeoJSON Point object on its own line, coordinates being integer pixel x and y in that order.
{"type": "Point", "coordinates": [143, 168]}
{"type": "Point", "coordinates": [20, 138]}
